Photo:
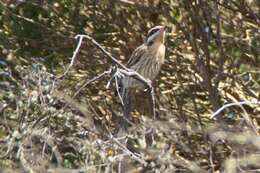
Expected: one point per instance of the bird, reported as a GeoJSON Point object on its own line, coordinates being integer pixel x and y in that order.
{"type": "Point", "coordinates": [147, 60]}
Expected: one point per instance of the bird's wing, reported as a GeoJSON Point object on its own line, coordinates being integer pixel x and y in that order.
{"type": "Point", "coordinates": [136, 55]}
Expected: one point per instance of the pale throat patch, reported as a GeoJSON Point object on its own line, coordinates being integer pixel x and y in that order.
{"type": "Point", "coordinates": [158, 50]}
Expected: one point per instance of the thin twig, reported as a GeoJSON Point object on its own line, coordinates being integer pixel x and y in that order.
{"type": "Point", "coordinates": [211, 158]}
{"type": "Point", "coordinates": [74, 55]}
{"type": "Point", "coordinates": [90, 81]}
{"type": "Point", "coordinates": [127, 151]}
{"type": "Point", "coordinates": [233, 104]}
{"type": "Point", "coordinates": [117, 90]}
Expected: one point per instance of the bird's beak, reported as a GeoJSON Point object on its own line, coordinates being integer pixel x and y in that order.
{"type": "Point", "coordinates": [162, 33]}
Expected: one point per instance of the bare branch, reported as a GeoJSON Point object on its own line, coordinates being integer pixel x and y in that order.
{"type": "Point", "coordinates": [126, 71]}
{"type": "Point", "coordinates": [233, 104]}
{"type": "Point", "coordinates": [73, 56]}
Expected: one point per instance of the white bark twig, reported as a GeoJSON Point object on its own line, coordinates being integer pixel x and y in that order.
{"type": "Point", "coordinates": [233, 104]}
{"type": "Point", "coordinates": [117, 91]}
{"type": "Point", "coordinates": [74, 55]}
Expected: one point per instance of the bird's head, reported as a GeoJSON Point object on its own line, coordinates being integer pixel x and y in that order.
{"type": "Point", "coordinates": [156, 35]}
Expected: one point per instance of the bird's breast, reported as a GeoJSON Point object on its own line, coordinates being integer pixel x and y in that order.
{"type": "Point", "coordinates": [158, 52]}
{"type": "Point", "coordinates": [148, 66]}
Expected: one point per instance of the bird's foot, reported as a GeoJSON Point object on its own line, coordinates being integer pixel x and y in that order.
{"type": "Point", "coordinates": [150, 85]}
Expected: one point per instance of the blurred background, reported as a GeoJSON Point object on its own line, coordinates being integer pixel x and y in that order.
{"type": "Point", "coordinates": [59, 124]}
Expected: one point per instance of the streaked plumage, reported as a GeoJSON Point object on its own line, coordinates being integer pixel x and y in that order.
{"type": "Point", "coordinates": [147, 60]}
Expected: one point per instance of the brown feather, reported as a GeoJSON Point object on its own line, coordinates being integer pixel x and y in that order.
{"type": "Point", "coordinates": [136, 55]}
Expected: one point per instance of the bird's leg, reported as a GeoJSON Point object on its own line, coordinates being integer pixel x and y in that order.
{"type": "Point", "coordinates": [152, 101]}
{"type": "Point", "coordinates": [150, 90]}
{"type": "Point", "coordinates": [127, 108]}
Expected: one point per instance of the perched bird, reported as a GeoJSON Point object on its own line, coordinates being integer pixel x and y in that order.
{"type": "Point", "coordinates": [147, 60]}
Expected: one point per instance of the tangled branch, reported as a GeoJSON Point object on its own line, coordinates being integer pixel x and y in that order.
{"type": "Point", "coordinates": [117, 71]}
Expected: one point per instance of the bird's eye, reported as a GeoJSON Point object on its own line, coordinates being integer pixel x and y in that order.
{"type": "Point", "coordinates": [152, 32]}
{"type": "Point", "coordinates": [151, 36]}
